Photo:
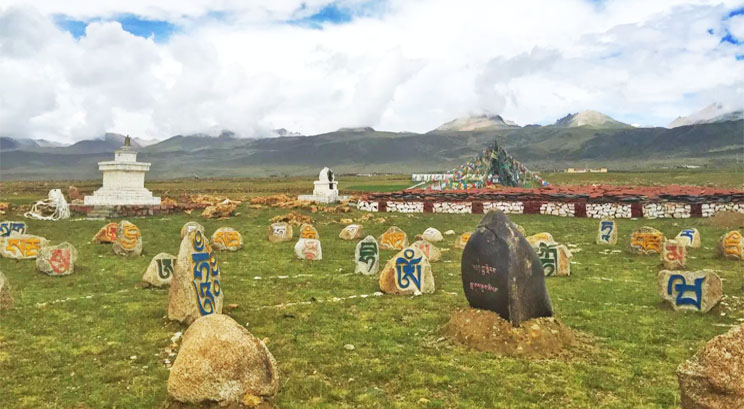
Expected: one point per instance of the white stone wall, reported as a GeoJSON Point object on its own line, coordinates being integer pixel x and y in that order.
{"type": "Point", "coordinates": [609, 210]}
{"type": "Point", "coordinates": [506, 207]}
{"type": "Point", "coordinates": [366, 206]}
{"type": "Point", "coordinates": [453, 207]}
{"type": "Point", "coordinates": [710, 209]}
{"type": "Point", "coordinates": [558, 209]}
{"type": "Point", "coordinates": [405, 207]}
{"type": "Point", "coordinates": [666, 210]}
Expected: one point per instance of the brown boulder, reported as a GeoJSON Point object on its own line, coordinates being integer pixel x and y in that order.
{"type": "Point", "coordinates": [714, 377]}
{"type": "Point", "coordinates": [221, 361]}
{"type": "Point", "coordinates": [226, 208]}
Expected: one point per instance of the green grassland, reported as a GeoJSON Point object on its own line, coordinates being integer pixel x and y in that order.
{"type": "Point", "coordinates": [95, 340]}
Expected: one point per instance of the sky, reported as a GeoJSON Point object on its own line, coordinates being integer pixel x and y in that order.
{"type": "Point", "coordinates": [75, 69]}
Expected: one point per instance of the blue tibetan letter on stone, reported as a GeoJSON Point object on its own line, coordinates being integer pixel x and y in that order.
{"type": "Point", "coordinates": [682, 287]}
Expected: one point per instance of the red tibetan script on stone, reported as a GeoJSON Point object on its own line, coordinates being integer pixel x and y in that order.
{"type": "Point", "coordinates": [60, 260]}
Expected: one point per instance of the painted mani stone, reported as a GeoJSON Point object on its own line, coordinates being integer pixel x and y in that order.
{"type": "Point", "coordinates": [308, 249]}
{"type": "Point", "coordinates": [195, 288]}
{"type": "Point", "coordinates": [689, 238]}
{"type": "Point", "coordinates": [407, 273]}
{"type": "Point", "coordinates": [462, 240]}
{"type": "Point", "coordinates": [537, 238]}
{"type": "Point", "coordinates": [393, 239]}
{"type": "Point", "coordinates": [351, 232]}
{"type": "Point", "coordinates": [674, 255]}
{"type": "Point", "coordinates": [432, 235]}
{"type": "Point", "coordinates": [227, 238]}
{"type": "Point", "coordinates": [502, 273]}
{"type": "Point", "coordinates": [607, 233]}
{"type": "Point", "coordinates": [57, 260]}
{"type": "Point", "coordinates": [8, 228]}
{"type": "Point", "coordinates": [646, 240]}
{"type": "Point", "coordinates": [191, 226]}
{"type": "Point", "coordinates": [128, 240]}
{"type": "Point", "coordinates": [160, 270]}
{"type": "Point", "coordinates": [21, 246]}
{"type": "Point", "coordinates": [278, 232]}
{"type": "Point", "coordinates": [107, 233]}
{"type": "Point", "coordinates": [307, 231]}
{"type": "Point", "coordinates": [555, 258]}
{"type": "Point", "coordinates": [367, 256]}
{"type": "Point", "coordinates": [731, 245]}
{"type": "Point", "coordinates": [690, 290]}
{"type": "Point", "coordinates": [432, 253]}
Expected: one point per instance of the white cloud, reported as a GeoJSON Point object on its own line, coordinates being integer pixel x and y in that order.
{"type": "Point", "coordinates": [412, 67]}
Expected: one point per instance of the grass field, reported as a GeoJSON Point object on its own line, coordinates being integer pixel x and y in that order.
{"type": "Point", "coordinates": [94, 340]}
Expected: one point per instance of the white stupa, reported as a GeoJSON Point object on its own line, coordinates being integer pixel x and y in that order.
{"type": "Point", "coordinates": [325, 189]}
{"type": "Point", "coordinates": [123, 181]}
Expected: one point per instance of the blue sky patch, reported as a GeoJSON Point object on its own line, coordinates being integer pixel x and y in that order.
{"type": "Point", "coordinates": [335, 13]}
{"type": "Point", "coordinates": [160, 30]}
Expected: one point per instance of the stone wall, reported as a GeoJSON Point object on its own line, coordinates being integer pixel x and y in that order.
{"type": "Point", "coordinates": [133, 211]}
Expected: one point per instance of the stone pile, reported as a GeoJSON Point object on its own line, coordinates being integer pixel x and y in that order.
{"type": "Point", "coordinates": [224, 209]}
{"type": "Point", "coordinates": [557, 209]}
{"type": "Point", "coordinates": [666, 210]}
{"type": "Point", "coordinates": [608, 211]}
{"type": "Point", "coordinates": [710, 209]}
{"type": "Point", "coordinates": [406, 207]}
{"type": "Point", "coordinates": [505, 207]}
{"type": "Point", "coordinates": [452, 207]}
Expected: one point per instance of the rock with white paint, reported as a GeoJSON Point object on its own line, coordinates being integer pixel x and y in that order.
{"type": "Point", "coordinates": [432, 235]}
{"type": "Point", "coordinates": [367, 256]}
{"type": "Point", "coordinates": [352, 232]}
{"type": "Point", "coordinates": [308, 249]}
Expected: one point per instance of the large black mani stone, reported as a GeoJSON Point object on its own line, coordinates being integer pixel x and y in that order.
{"type": "Point", "coordinates": [502, 273]}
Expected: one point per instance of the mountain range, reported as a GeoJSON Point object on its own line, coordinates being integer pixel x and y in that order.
{"type": "Point", "coordinates": [587, 138]}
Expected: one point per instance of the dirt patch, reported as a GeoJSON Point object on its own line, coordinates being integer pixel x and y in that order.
{"type": "Point", "coordinates": [727, 220]}
{"type": "Point", "coordinates": [537, 338]}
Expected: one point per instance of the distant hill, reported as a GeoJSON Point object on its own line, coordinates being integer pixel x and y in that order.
{"type": "Point", "coordinates": [589, 118]}
{"type": "Point", "coordinates": [366, 151]}
{"type": "Point", "coordinates": [475, 123]}
{"type": "Point", "coordinates": [715, 112]}
{"type": "Point", "coordinates": [109, 143]}
{"type": "Point", "coordinates": [10, 144]}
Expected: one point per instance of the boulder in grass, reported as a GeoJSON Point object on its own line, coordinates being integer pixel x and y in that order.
{"type": "Point", "coordinates": [646, 240]}
{"type": "Point", "coordinates": [407, 273]}
{"type": "Point", "coordinates": [107, 233]}
{"type": "Point", "coordinates": [278, 232]}
{"type": "Point", "coordinates": [220, 361]}
{"type": "Point", "coordinates": [6, 299]}
{"type": "Point", "coordinates": [227, 239]}
{"type": "Point", "coordinates": [714, 377]}
{"type": "Point", "coordinates": [502, 273]}
{"type": "Point", "coordinates": [432, 235]}
{"type": "Point", "coordinates": [690, 290]}
{"type": "Point", "coordinates": [689, 238]}
{"type": "Point", "coordinates": [555, 258]}
{"type": "Point", "coordinates": [462, 240]}
{"type": "Point", "coordinates": [21, 246]}
{"type": "Point", "coordinates": [352, 232]}
{"type": "Point", "coordinates": [191, 226]}
{"type": "Point", "coordinates": [195, 288]}
{"type": "Point", "coordinates": [160, 270]}
{"type": "Point", "coordinates": [8, 228]}
{"type": "Point", "coordinates": [731, 245]}
{"type": "Point", "coordinates": [367, 256]}
{"type": "Point", "coordinates": [308, 249]}
{"type": "Point", "coordinates": [393, 239]}
{"type": "Point", "coordinates": [674, 255]}
{"type": "Point", "coordinates": [307, 231]}
{"type": "Point", "coordinates": [607, 232]}
{"type": "Point", "coordinates": [432, 253]}
{"type": "Point", "coordinates": [57, 260]}
{"type": "Point", "coordinates": [536, 238]}
{"type": "Point", "coordinates": [128, 240]}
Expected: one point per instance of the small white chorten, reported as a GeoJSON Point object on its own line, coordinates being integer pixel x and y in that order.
{"type": "Point", "coordinates": [123, 181]}
{"type": "Point", "coordinates": [325, 190]}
